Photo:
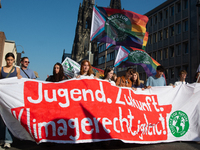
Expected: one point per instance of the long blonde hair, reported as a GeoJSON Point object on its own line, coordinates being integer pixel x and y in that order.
{"type": "Point", "coordinates": [138, 78]}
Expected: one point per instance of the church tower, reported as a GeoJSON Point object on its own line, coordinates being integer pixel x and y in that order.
{"type": "Point", "coordinates": [82, 36]}
{"type": "Point", "coordinates": [116, 4]}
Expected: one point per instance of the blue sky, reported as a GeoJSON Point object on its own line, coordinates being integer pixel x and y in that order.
{"type": "Point", "coordinates": [46, 27]}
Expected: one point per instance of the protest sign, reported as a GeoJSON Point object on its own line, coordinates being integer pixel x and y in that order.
{"type": "Point", "coordinates": [89, 110]}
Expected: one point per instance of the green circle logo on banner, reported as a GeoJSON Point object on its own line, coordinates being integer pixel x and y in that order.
{"type": "Point", "coordinates": [178, 123]}
{"type": "Point", "coordinates": [116, 25]}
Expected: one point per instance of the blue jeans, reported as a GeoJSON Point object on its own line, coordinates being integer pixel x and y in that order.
{"type": "Point", "coordinates": [5, 135]}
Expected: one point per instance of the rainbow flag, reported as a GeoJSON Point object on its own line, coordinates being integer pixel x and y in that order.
{"type": "Point", "coordinates": [145, 40]}
{"type": "Point", "coordinates": [118, 27]}
{"type": "Point", "coordinates": [129, 56]}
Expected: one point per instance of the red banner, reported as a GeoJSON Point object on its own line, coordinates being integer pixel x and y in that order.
{"type": "Point", "coordinates": [90, 110]}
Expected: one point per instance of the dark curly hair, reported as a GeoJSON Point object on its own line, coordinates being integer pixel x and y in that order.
{"type": "Point", "coordinates": [60, 76]}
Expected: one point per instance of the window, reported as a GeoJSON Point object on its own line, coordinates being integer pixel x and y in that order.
{"type": "Point", "coordinates": [178, 49]}
{"type": "Point", "coordinates": [185, 25]}
{"type": "Point", "coordinates": [178, 28]}
{"type": "Point", "coordinates": [178, 7]}
{"type": "Point", "coordinates": [102, 48]}
{"type": "Point", "coordinates": [185, 67]}
{"type": "Point", "coordinates": [186, 48]}
{"type": "Point", "coordinates": [178, 69]}
{"type": "Point", "coordinates": [166, 33]}
{"type": "Point", "coordinates": [172, 31]}
{"type": "Point", "coordinates": [160, 55]}
{"type": "Point", "coordinates": [171, 51]}
{"type": "Point", "coordinates": [155, 55]}
{"type": "Point", "coordinates": [160, 16]}
{"type": "Point", "coordinates": [155, 38]}
{"type": "Point", "coordinates": [150, 21]}
{"type": "Point", "coordinates": [172, 11]}
{"type": "Point", "coordinates": [166, 73]}
{"type": "Point", "coordinates": [160, 36]}
{"type": "Point", "coordinates": [185, 4]}
{"type": "Point", "coordinates": [166, 13]}
{"type": "Point", "coordinates": [165, 53]}
{"type": "Point", "coordinates": [101, 60]}
{"type": "Point", "coordinates": [155, 19]}
{"type": "Point", "coordinates": [86, 25]}
{"type": "Point", "coordinates": [150, 39]}
{"type": "Point", "coordinates": [110, 56]}
{"type": "Point", "coordinates": [172, 73]}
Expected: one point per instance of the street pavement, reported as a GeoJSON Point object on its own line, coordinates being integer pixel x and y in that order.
{"type": "Point", "coordinates": [112, 145]}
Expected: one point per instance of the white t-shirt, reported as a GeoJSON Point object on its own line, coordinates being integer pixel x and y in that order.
{"type": "Point", "coordinates": [86, 76]}
{"type": "Point", "coordinates": [112, 83]}
{"type": "Point", "coordinates": [180, 82]}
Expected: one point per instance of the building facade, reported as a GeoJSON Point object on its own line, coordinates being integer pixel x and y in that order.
{"type": "Point", "coordinates": [5, 47]}
{"type": "Point", "coordinates": [174, 38]}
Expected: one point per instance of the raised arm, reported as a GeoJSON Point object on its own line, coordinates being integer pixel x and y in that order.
{"type": "Point", "coordinates": [18, 73]}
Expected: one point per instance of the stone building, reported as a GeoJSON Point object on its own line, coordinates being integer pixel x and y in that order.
{"type": "Point", "coordinates": [82, 36]}
{"type": "Point", "coordinates": [174, 38]}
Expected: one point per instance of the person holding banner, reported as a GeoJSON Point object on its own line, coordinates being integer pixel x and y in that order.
{"type": "Point", "coordinates": [197, 77]}
{"type": "Point", "coordinates": [125, 81]}
{"type": "Point", "coordinates": [136, 81]}
{"type": "Point", "coordinates": [10, 70]}
{"type": "Point", "coordinates": [158, 79]}
{"type": "Point", "coordinates": [182, 75]}
{"type": "Point", "coordinates": [108, 74]}
{"type": "Point", "coordinates": [7, 71]}
{"type": "Point", "coordinates": [58, 74]}
{"type": "Point", "coordinates": [86, 70]}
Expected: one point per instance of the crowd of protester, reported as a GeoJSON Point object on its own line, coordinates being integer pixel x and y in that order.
{"type": "Point", "coordinates": [130, 79]}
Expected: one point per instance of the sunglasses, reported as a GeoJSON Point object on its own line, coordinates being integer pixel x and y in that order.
{"type": "Point", "coordinates": [27, 61]}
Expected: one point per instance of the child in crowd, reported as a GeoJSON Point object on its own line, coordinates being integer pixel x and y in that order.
{"type": "Point", "coordinates": [108, 74]}
{"type": "Point", "coordinates": [124, 81]}
{"type": "Point", "coordinates": [182, 75]}
{"type": "Point", "coordinates": [58, 74]}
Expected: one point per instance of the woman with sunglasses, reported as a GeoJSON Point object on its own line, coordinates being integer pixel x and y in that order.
{"type": "Point", "coordinates": [7, 71]}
